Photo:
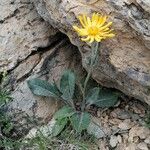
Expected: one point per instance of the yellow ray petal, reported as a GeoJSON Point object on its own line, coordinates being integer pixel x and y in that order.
{"type": "Point", "coordinates": [110, 35]}
{"type": "Point", "coordinates": [81, 21]}
{"type": "Point", "coordinates": [85, 39]}
{"type": "Point", "coordinates": [85, 20]}
{"type": "Point", "coordinates": [106, 26]}
{"type": "Point", "coordinates": [102, 21]}
{"type": "Point", "coordinates": [89, 21]}
{"type": "Point", "coordinates": [76, 28]}
{"type": "Point", "coordinates": [83, 32]}
{"type": "Point", "coordinates": [105, 32]}
{"type": "Point", "coordinates": [93, 17]}
{"type": "Point", "coordinates": [98, 38]}
{"type": "Point", "coordinates": [91, 39]}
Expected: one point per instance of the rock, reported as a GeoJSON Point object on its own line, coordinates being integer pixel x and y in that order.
{"type": "Point", "coordinates": [139, 109]}
{"type": "Point", "coordinates": [131, 146]}
{"type": "Point", "coordinates": [119, 138]}
{"type": "Point", "coordinates": [45, 130]}
{"type": "Point", "coordinates": [121, 147]}
{"type": "Point", "coordinates": [147, 140]}
{"type": "Point", "coordinates": [22, 32]}
{"type": "Point", "coordinates": [145, 4]}
{"type": "Point", "coordinates": [124, 115]}
{"type": "Point", "coordinates": [142, 146]}
{"type": "Point", "coordinates": [125, 125]}
{"type": "Point", "coordinates": [102, 144]}
{"type": "Point", "coordinates": [115, 121]}
{"type": "Point", "coordinates": [96, 130]}
{"type": "Point", "coordinates": [141, 132]}
{"type": "Point", "coordinates": [113, 141]}
{"type": "Point", "coordinates": [124, 60]}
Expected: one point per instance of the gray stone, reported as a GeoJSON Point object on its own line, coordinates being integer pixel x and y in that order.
{"type": "Point", "coordinates": [22, 32]}
{"type": "Point", "coordinates": [142, 146]}
{"type": "Point", "coordinates": [113, 141]}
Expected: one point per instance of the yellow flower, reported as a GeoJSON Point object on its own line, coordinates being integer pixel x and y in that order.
{"type": "Point", "coordinates": [94, 29]}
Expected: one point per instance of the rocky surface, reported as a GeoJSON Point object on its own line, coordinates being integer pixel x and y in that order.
{"type": "Point", "coordinates": [22, 32]}
{"type": "Point", "coordinates": [124, 61]}
{"type": "Point", "coordinates": [30, 47]}
{"type": "Point", "coordinates": [51, 65]}
{"type": "Point", "coordinates": [122, 128]}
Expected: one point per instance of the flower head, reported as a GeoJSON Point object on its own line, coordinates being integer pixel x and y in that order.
{"type": "Point", "coordinates": [94, 29]}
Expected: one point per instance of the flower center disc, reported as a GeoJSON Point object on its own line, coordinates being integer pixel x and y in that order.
{"type": "Point", "coordinates": [93, 30]}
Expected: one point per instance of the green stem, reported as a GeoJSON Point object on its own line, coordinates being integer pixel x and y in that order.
{"type": "Point", "coordinates": [94, 49]}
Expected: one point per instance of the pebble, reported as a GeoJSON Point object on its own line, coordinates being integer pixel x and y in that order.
{"type": "Point", "coordinates": [125, 125]}
{"type": "Point", "coordinates": [119, 138]}
{"type": "Point", "coordinates": [115, 121]}
{"type": "Point", "coordinates": [135, 117]}
{"type": "Point", "coordinates": [131, 146]}
{"type": "Point", "coordinates": [142, 146]}
{"type": "Point", "coordinates": [113, 141]}
{"type": "Point", "coordinates": [141, 132]}
{"type": "Point", "coordinates": [147, 140]}
{"type": "Point", "coordinates": [138, 109]}
{"type": "Point", "coordinates": [102, 145]}
{"type": "Point", "coordinates": [124, 115]}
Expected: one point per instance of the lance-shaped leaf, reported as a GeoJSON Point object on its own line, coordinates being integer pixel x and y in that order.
{"type": "Point", "coordinates": [43, 88]}
{"type": "Point", "coordinates": [64, 112]}
{"type": "Point", "coordinates": [92, 96]}
{"type": "Point", "coordinates": [67, 85]}
{"type": "Point", "coordinates": [102, 97]}
{"type": "Point", "coordinates": [80, 121]}
{"type": "Point", "coordinates": [59, 126]}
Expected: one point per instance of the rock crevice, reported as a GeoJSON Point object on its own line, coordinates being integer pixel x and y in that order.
{"type": "Point", "coordinates": [124, 61]}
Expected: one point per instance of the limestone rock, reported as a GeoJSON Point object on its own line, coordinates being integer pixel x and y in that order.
{"type": "Point", "coordinates": [142, 146]}
{"type": "Point", "coordinates": [113, 141]}
{"type": "Point", "coordinates": [31, 47]}
{"type": "Point", "coordinates": [22, 32]}
{"type": "Point", "coordinates": [141, 132]}
{"type": "Point", "coordinates": [124, 61]}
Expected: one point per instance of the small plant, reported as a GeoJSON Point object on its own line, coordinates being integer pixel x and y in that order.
{"type": "Point", "coordinates": [94, 30]}
{"type": "Point", "coordinates": [147, 119]}
{"type": "Point", "coordinates": [4, 94]}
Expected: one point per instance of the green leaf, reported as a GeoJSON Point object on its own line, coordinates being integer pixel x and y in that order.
{"type": "Point", "coordinates": [95, 130]}
{"type": "Point", "coordinates": [64, 112]}
{"type": "Point", "coordinates": [67, 85]}
{"type": "Point", "coordinates": [59, 126]}
{"type": "Point", "coordinates": [80, 121]}
{"type": "Point", "coordinates": [107, 98]}
{"type": "Point", "coordinates": [43, 88]}
{"type": "Point", "coordinates": [102, 97]}
{"type": "Point", "coordinates": [93, 95]}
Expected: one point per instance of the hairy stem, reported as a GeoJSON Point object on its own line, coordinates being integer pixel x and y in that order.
{"type": "Point", "coordinates": [94, 49]}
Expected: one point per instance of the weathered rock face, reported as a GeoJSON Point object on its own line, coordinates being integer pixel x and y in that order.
{"type": "Point", "coordinates": [22, 31]}
{"type": "Point", "coordinates": [31, 47]}
{"type": "Point", "coordinates": [124, 61]}
{"type": "Point", "coordinates": [51, 65]}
